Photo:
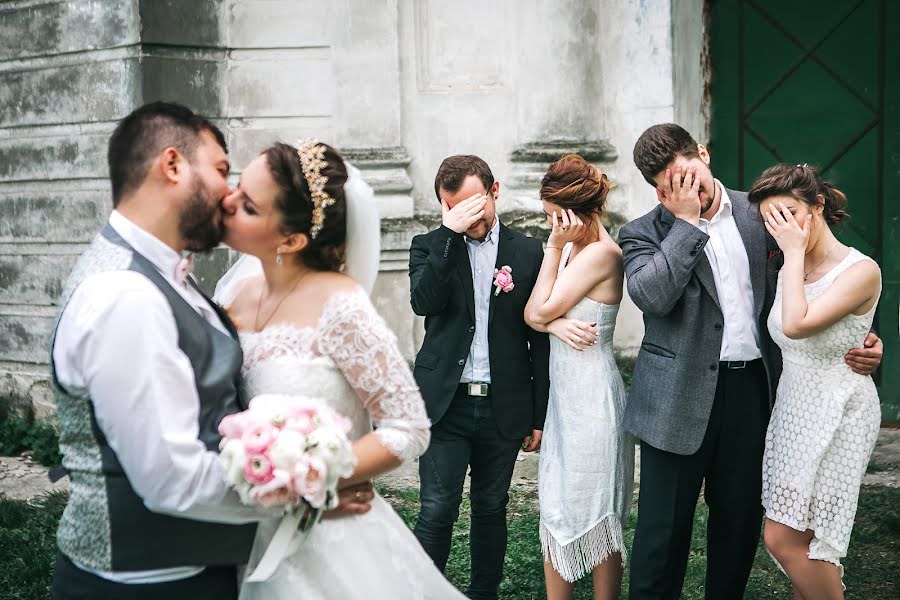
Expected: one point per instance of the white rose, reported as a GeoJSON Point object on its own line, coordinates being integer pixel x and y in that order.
{"type": "Point", "coordinates": [287, 449]}
{"type": "Point", "coordinates": [233, 459]}
{"type": "Point", "coordinates": [335, 449]}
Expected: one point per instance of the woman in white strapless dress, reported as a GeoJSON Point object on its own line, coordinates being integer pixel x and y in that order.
{"type": "Point", "coordinates": [586, 467]}
{"type": "Point", "coordinates": [826, 417]}
{"type": "Point", "coordinates": [308, 329]}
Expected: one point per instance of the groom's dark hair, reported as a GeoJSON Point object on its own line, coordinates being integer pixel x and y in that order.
{"type": "Point", "coordinates": [658, 146]}
{"type": "Point", "coordinates": [454, 170]}
{"type": "Point", "coordinates": [141, 136]}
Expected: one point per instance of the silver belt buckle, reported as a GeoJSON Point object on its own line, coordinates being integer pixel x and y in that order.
{"type": "Point", "coordinates": [737, 364]}
{"type": "Point", "coordinates": [478, 389]}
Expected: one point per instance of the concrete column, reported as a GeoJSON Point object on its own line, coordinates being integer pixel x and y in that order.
{"type": "Point", "coordinates": [68, 72]}
{"type": "Point", "coordinates": [560, 83]}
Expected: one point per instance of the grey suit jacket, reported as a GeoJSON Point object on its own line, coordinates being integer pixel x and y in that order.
{"type": "Point", "coordinates": [671, 281]}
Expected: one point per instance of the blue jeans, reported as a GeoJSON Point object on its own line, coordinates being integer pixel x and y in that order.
{"type": "Point", "coordinates": [467, 436]}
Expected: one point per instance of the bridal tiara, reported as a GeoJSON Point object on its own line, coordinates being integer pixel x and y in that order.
{"type": "Point", "coordinates": [312, 161]}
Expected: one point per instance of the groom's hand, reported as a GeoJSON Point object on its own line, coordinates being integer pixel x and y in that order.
{"type": "Point", "coordinates": [463, 215]}
{"type": "Point", "coordinates": [353, 500]}
{"type": "Point", "coordinates": [865, 360]}
{"type": "Point", "coordinates": [532, 442]}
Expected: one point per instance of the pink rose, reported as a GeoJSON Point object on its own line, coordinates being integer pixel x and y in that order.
{"type": "Point", "coordinates": [233, 426]}
{"type": "Point", "coordinates": [276, 492]}
{"type": "Point", "coordinates": [310, 477]}
{"type": "Point", "coordinates": [256, 438]}
{"type": "Point", "coordinates": [259, 469]}
{"type": "Point", "coordinates": [503, 279]}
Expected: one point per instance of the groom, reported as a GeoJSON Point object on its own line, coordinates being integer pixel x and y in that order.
{"type": "Point", "coordinates": [482, 371]}
{"type": "Point", "coordinates": [145, 367]}
{"type": "Point", "coordinates": [703, 270]}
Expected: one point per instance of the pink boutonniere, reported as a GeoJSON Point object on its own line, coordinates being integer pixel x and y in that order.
{"type": "Point", "coordinates": [503, 280]}
{"type": "Point", "coordinates": [773, 254]}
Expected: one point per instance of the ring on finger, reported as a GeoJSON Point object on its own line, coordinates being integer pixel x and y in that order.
{"type": "Point", "coordinates": [357, 495]}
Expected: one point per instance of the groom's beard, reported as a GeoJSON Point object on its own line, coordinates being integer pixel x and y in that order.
{"type": "Point", "coordinates": [706, 203]}
{"type": "Point", "coordinates": [200, 225]}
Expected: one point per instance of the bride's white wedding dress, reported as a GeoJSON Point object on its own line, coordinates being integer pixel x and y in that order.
{"type": "Point", "coordinates": [349, 359]}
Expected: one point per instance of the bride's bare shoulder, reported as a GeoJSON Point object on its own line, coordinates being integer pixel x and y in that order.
{"type": "Point", "coordinates": [333, 282]}
{"type": "Point", "coordinates": [317, 295]}
{"type": "Point", "coordinates": [245, 300]}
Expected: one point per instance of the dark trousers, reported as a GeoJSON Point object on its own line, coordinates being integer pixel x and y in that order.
{"type": "Point", "coordinates": [71, 583]}
{"type": "Point", "coordinates": [467, 436]}
{"type": "Point", "coordinates": [729, 461]}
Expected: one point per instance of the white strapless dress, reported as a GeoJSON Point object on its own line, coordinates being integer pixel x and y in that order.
{"type": "Point", "coordinates": [350, 359]}
{"type": "Point", "coordinates": [586, 471]}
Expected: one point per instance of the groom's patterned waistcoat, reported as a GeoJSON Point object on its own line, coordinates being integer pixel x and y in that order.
{"type": "Point", "coordinates": [105, 525]}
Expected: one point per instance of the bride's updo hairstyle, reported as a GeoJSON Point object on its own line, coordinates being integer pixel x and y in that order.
{"type": "Point", "coordinates": [802, 183]}
{"type": "Point", "coordinates": [574, 183]}
{"type": "Point", "coordinates": [327, 247]}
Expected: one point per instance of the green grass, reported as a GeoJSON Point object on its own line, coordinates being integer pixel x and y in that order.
{"type": "Point", "coordinates": [877, 467]}
{"type": "Point", "coordinates": [28, 545]}
{"type": "Point", "coordinates": [27, 549]}
{"type": "Point", "coordinates": [38, 438]}
{"type": "Point", "coordinates": [871, 568]}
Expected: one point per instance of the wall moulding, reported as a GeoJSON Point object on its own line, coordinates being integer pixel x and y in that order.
{"type": "Point", "coordinates": [385, 169]}
{"type": "Point", "coordinates": [529, 163]}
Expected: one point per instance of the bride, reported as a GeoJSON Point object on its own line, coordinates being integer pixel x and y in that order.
{"type": "Point", "coordinates": [308, 328]}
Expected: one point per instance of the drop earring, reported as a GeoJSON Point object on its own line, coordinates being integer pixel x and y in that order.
{"type": "Point", "coordinates": [278, 260]}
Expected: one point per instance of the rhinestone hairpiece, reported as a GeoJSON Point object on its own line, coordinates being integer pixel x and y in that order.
{"type": "Point", "coordinates": [312, 161]}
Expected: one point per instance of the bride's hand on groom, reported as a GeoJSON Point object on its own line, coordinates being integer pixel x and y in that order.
{"type": "Point", "coordinates": [353, 500]}
{"type": "Point", "coordinates": [532, 442]}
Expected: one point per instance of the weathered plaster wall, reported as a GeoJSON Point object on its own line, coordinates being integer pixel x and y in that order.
{"type": "Point", "coordinates": [691, 69]}
{"type": "Point", "coordinates": [68, 72]}
{"type": "Point", "coordinates": [396, 84]}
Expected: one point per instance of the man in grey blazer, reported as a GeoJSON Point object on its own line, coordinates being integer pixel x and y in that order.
{"type": "Point", "coordinates": [703, 270]}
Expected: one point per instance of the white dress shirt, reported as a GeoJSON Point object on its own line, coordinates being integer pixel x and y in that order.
{"type": "Point", "coordinates": [482, 259]}
{"type": "Point", "coordinates": [731, 271]}
{"type": "Point", "coordinates": [117, 343]}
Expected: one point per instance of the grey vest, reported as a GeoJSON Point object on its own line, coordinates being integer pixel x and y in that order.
{"type": "Point", "coordinates": [105, 525]}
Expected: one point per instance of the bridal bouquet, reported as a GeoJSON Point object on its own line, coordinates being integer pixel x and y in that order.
{"type": "Point", "coordinates": [287, 451]}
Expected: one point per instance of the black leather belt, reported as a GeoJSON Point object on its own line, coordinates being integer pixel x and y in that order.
{"type": "Point", "coordinates": [475, 389]}
{"type": "Point", "coordinates": [737, 364]}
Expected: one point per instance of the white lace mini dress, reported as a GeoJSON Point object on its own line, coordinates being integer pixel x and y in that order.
{"type": "Point", "coordinates": [823, 427]}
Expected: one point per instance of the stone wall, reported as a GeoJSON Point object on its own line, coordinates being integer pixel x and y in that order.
{"type": "Point", "coordinates": [397, 85]}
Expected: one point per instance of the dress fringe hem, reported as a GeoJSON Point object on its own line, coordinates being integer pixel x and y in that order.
{"type": "Point", "coordinates": [579, 557]}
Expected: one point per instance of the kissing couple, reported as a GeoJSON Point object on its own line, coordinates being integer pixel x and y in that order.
{"type": "Point", "coordinates": [145, 367]}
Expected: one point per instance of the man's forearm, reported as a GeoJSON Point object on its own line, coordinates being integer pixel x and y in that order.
{"type": "Point", "coordinates": [430, 270]}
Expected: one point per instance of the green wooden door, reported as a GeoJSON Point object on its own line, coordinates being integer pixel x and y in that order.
{"type": "Point", "coordinates": [818, 82]}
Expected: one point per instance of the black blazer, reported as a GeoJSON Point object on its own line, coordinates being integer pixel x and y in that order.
{"type": "Point", "coordinates": [441, 290]}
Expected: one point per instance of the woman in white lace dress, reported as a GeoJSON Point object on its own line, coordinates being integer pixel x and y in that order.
{"type": "Point", "coordinates": [306, 328]}
{"type": "Point", "coordinates": [586, 467]}
{"type": "Point", "coordinates": [826, 417]}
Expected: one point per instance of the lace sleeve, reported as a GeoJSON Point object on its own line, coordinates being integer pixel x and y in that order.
{"type": "Point", "coordinates": [360, 343]}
